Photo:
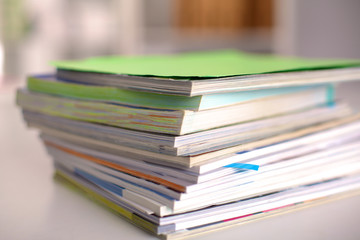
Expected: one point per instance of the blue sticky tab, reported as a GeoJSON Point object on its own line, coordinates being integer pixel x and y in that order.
{"type": "Point", "coordinates": [243, 166]}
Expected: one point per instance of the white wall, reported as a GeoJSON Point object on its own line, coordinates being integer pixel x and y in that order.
{"type": "Point", "coordinates": [318, 28]}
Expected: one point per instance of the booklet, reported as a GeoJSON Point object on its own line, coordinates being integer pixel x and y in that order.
{"type": "Point", "coordinates": [195, 162]}
{"type": "Point", "coordinates": [193, 74]}
{"type": "Point", "coordinates": [48, 84]}
{"type": "Point", "coordinates": [194, 143]}
{"type": "Point", "coordinates": [174, 122]}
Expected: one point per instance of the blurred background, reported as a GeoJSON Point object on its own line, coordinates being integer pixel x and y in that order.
{"type": "Point", "coordinates": [34, 32]}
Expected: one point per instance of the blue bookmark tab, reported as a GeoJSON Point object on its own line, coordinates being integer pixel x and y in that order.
{"type": "Point", "coordinates": [243, 166]}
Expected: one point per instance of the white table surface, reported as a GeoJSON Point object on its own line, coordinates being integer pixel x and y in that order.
{"type": "Point", "coordinates": [34, 206]}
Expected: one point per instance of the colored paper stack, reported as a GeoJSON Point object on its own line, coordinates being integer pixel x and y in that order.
{"type": "Point", "coordinates": [186, 144]}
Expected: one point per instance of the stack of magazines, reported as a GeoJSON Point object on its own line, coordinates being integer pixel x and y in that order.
{"type": "Point", "coordinates": [187, 144]}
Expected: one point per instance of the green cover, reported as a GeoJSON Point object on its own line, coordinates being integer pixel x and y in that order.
{"type": "Point", "coordinates": [49, 85]}
{"type": "Point", "coordinates": [200, 65]}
